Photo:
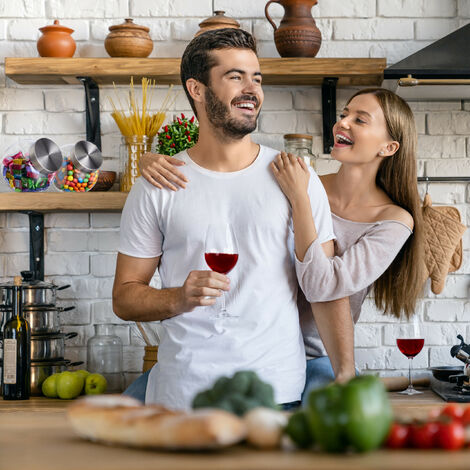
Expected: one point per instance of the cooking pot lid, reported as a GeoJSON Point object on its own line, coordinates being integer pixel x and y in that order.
{"type": "Point", "coordinates": [29, 283]}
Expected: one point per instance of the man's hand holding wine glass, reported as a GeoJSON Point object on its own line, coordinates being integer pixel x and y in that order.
{"type": "Point", "coordinates": [201, 288]}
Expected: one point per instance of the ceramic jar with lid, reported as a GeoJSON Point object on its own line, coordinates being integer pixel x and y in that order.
{"type": "Point", "coordinates": [128, 40]}
{"type": "Point", "coordinates": [217, 21]}
{"type": "Point", "coordinates": [301, 146]}
{"type": "Point", "coordinates": [56, 41]}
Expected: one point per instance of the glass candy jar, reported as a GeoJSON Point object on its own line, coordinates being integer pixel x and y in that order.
{"type": "Point", "coordinates": [105, 357]}
{"type": "Point", "coordinates": [301, 146]}
{"type": "Point", "coordinates": [29, 166]}
{"type": "Point", "coordinates": [80, 169]}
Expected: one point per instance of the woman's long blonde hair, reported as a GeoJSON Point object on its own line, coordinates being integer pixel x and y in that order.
{"type": "Point", "coordinates": [400, 286]}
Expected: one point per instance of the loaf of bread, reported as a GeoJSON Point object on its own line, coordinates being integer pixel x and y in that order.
{"type": "Point", "coordinates": [117, 419]}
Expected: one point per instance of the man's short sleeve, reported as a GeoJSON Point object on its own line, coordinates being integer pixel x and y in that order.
{"type": "Point", "coordinates": [320, 208]}
{"type": "Point", "coordinates": [140, 235]}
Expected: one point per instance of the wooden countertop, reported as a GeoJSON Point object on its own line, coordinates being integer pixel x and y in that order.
{"type": "Point", "coordinates": [35, 435]}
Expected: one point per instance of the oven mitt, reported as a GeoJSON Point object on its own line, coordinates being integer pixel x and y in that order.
{"type": "Point", "coordinates": [442, 242]}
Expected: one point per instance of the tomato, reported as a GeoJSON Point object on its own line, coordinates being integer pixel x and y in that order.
{"type": "Point", "coordinates": [466, 416]}
{"type": "Point", "coordinates": [451, 436]}
{"type": "Point", "coordinates": [453, 411]}
{"type": "Point", "coordinates": [423, 436]}
{"type": "Point", "coordinates": [398, 436]}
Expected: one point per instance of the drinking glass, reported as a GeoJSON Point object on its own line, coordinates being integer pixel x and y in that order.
{"type": "Point", "coordinates": [410, 343]}
{"type": "Point", "coordinates": [221, 255]}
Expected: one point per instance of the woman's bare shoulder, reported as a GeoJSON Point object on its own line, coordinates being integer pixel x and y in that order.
{"type": "Point", "coordinates": [397, 213]}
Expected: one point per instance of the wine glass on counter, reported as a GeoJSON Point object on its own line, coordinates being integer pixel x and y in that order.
{"type": "Point", "coordinates": [410, 343]}
{"type": "Point", "coordinates": [221, 255]}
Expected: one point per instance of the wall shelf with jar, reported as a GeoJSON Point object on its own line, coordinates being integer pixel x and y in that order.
{"type": "Point", "coordinates": [93, 72]}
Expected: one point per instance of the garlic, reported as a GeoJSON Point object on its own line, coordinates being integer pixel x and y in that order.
{"type": "Point", "coordinates": [265, 427]}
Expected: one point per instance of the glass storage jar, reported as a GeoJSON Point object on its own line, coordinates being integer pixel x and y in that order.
{"type": "Point", "coordinates": [80, 169]}
{"type": "Point", "coordinates": [301, 146]}
{"type": "Point", "coordinates": [132, 148]}
{"type": "Point", "coordinates": [30, 166]}
{"type": "Point", "coordinates": [105, 357]}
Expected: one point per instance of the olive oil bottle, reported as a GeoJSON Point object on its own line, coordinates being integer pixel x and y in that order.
{"type": "Point", "coordinates": [16, 377]}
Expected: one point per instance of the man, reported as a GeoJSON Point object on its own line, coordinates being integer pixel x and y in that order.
{"type": "Point", "coordinates": [230, 182]}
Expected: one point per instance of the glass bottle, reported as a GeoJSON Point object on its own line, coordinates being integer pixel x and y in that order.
{"type": "Point", "coordinates": [301, 146]}
{"type": "Point", "coordinates": [16, 374]}
{"type": "Point", "coordinates": [104, 356]}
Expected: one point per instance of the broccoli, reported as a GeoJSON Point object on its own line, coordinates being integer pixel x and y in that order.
{"type": "Point", "coordinates": [237, 394]}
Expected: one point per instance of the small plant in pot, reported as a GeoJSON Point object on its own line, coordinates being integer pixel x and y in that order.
{"type": "Point", "coordinates": [180, 135]}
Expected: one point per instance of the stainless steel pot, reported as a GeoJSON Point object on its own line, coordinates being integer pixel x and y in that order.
{"type": "Point", "coordinates": [42, 369]}
{"type": "Point", "coordinates": [49, 347]}
{"type": "Point", "coordinates": [44, 320]}
{"type": "Point", "coordinates": [35, 293]}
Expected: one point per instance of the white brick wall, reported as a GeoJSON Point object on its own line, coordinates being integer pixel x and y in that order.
{"type": "Point", "coordinates": [81, 247]}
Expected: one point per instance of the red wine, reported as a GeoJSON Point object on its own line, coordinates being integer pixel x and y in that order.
{"type": "Point", "coordinates": [221, 262]}
{"type": "Point", "coordinates": [410, 347]}
{"type": "Point", "coordinates": [16, 377]}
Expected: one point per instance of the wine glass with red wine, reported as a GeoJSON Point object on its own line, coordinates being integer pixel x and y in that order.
{"type": "Point", "coordinates": [410, 343]}
{"type": "Point", "coordinates": [221, 255]}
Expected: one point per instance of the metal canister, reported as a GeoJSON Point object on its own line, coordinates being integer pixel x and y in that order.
{"type": "Point", "coordinates": [86, 156]}
{"type": "Point", "coordinates": [45, 156]}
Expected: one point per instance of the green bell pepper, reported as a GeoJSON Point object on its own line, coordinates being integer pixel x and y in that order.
{"type": "Point", "coordinates": [354, 415]}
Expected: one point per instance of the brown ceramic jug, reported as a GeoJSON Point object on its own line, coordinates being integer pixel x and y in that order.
{"type": "Point", "coordinates": [297, 35]}
{"type": "Point", "coordinates": [56, 41]}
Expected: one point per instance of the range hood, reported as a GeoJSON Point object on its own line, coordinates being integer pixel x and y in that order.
{"type": "Point", "coordinates": [440, 71]}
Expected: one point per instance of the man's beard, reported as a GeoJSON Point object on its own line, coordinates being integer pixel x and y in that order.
{"type": "Point", "coordinates": [219, 116]}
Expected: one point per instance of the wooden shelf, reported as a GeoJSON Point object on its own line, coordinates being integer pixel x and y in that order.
{"type": "Point", "coordinates": [105, 71]}
{"type": "Point", "coordinates": [63, 202]}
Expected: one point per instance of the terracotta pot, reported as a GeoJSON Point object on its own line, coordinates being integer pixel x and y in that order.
{"type": "Point", "coordinates": [218, 21]}
{"type": "Point", "coordinates": [56, 41]}
{"type": "Point", "coordinates": [128, 40]}
{"type": "Point", "coordinates": [297, 35]}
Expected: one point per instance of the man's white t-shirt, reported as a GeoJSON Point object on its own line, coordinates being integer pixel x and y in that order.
{"type": "Point", "coordinates": [195, 349]}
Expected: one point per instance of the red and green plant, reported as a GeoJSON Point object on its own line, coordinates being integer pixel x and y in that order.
{"type": "Point", "coordinates": [180, 135]}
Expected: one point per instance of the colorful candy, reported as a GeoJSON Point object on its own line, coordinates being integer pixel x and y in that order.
{"type": "Point", "coordinates": [21, 176]}
{"type": "Point", "coordinates": [70, 179]}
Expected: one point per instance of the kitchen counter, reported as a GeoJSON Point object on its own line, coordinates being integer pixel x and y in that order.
{"type": "Point", "coordinates": [34, 435]}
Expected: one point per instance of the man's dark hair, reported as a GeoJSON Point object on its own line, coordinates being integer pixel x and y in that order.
{"type": "Point", "coordinates": [197, 59]}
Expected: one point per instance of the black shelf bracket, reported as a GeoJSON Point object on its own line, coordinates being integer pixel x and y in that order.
{"type": "Point", "coordinates": [92, 108]}
{"type": "Point", "coordinates": [328, 99]}
{"type": "Point", "coordinates": [36, 244]}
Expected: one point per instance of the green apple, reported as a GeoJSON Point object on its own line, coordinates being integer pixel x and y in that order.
{"type": "Point", "coordinates": [69, 385]}
{"type": "Point", "coordinates": [84, 374]}
{"type": "Point", "coordinates": [95, 384]}
{"type": "Point", "coordinates": [49, 386]}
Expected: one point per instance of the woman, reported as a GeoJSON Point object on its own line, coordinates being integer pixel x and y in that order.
{"type": "Point", "coordinates": [376, 214]}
